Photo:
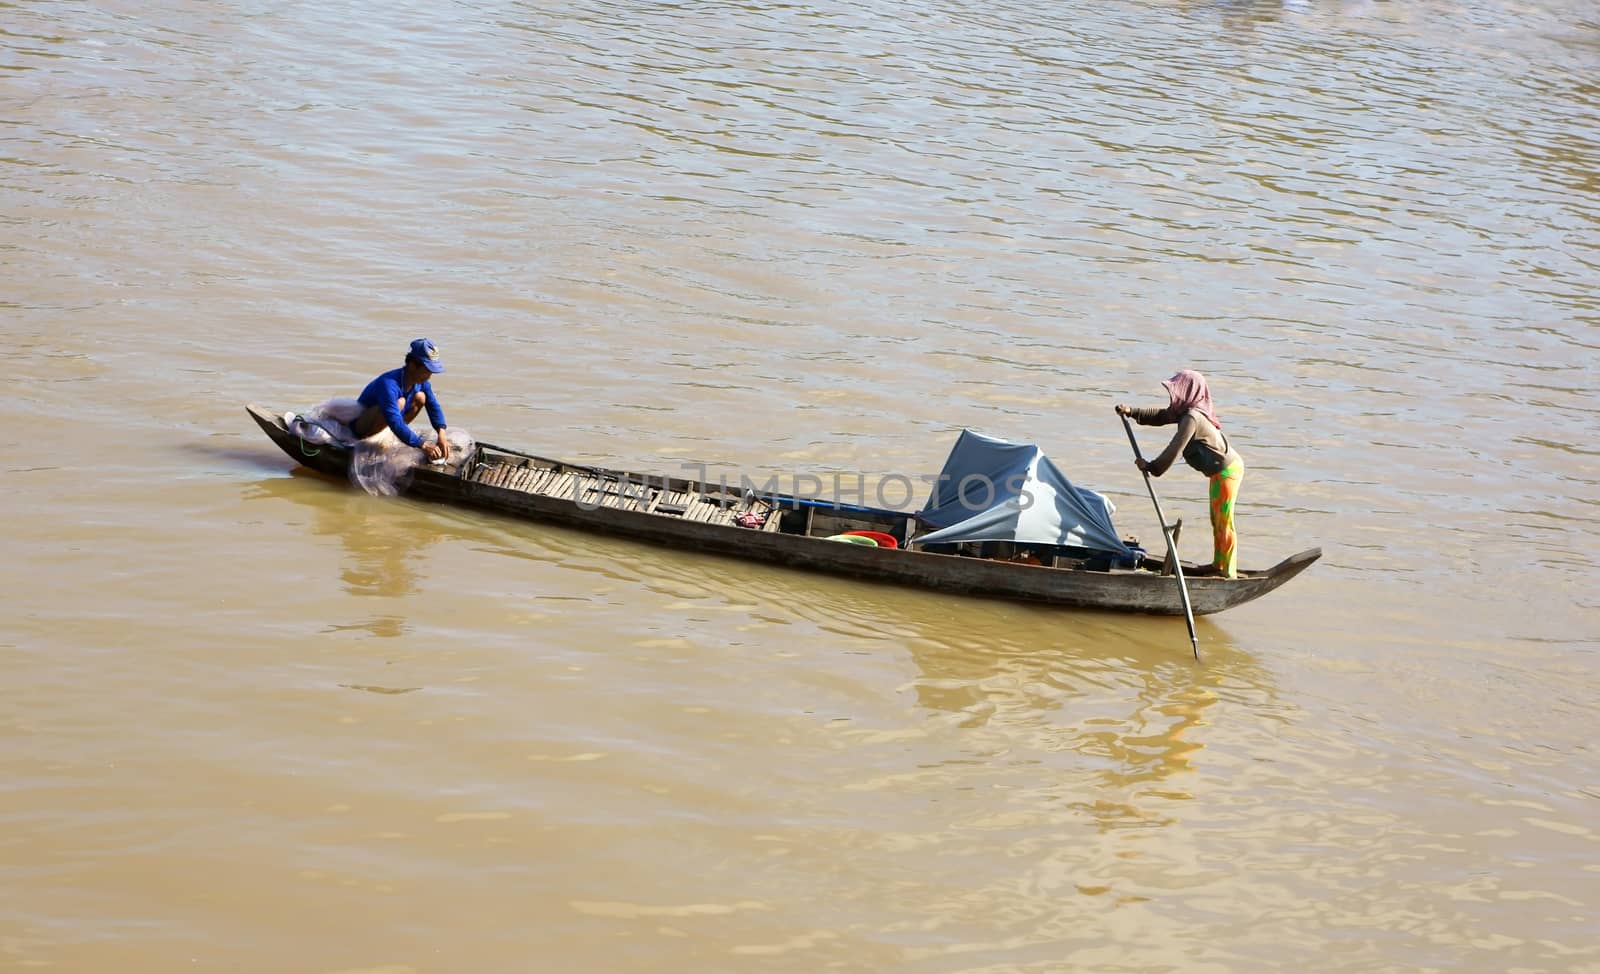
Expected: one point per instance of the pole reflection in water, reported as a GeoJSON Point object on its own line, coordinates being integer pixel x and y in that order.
{"type": "Point", "coordinates": [1103, 695]}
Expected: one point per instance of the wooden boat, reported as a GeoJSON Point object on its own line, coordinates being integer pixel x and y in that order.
{"type": "Point", "coordinates": [792, 531]}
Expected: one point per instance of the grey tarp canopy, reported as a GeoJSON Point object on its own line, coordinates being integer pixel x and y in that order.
{"type": "Point", "coordinates": [992, 490]}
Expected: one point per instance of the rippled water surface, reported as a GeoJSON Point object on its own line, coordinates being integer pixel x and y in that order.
{"type": "Point", "coordinates": [257, 721]}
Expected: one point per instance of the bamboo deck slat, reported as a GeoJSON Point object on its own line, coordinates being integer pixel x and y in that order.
{"type": "Point", "coordinates": [601, 491]}
{"type": "Point", "coordinates": [562, 487]}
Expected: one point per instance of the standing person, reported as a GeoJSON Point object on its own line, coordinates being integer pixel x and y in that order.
{"type": "Point", "coordinates": [396, 397]}
{"type": "Point", "coordinates": [1204, 447]}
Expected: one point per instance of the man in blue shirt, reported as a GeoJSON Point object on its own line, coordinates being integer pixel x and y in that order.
{"type": "Point", "coordinates": [394, 399]}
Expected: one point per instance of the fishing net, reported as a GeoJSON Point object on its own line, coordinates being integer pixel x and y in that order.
{"type": "Point", "coordinates": [379, 464]}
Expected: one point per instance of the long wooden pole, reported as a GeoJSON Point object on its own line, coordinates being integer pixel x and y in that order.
{"type": "Point", "coordinates": [1172, 545]}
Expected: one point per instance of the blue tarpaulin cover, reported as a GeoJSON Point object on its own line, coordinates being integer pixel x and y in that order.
{"type": "Point", "coordinates": [993, 490]}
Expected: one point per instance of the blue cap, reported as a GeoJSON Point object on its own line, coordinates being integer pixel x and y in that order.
{"type": "Point", "coordinates": [426, 354]}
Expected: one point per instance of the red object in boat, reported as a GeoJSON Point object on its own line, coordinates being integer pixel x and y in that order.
{"type": "Point", "coordinates": [884, 540]}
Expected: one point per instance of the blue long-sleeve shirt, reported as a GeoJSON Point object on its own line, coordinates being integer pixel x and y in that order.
{"type": "Point", "coordinates": [385, 392]}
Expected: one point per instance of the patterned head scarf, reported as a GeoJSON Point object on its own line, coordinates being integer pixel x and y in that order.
{"type": "Point", "coordinates": [1188, 391]}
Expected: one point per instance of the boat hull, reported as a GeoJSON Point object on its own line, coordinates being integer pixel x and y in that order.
{"type": "Point", "coordinates": [678, 514]}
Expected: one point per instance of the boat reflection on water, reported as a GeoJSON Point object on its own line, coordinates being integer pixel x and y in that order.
{"type": "Point", "coordinates": [1111, 707]}
{"type": "Point", "coordinates": [381, 541]}
{"type": "Point", "coordinates": [1092, 747]}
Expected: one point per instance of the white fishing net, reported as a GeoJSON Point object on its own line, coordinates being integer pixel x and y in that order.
{"type": "Point", "coordinates": [379, 464]}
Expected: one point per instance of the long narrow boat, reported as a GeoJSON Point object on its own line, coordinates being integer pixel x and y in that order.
{"type": "Point", "coordinates": [794, 531]}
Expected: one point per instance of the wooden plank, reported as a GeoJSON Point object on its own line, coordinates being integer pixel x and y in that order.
{"type": "Point", "coordinates": [672, 502]}
{"type": "Point", "coordinates": [617, 496]}
{"type": "Point", "coordinates": [627, 495]}
{"type": "Point", "coordinates": [634, 496]}
{"type": "Point", "coordinates": [562, 488]}
{"type": "Point", "coordinates": [578, 490]}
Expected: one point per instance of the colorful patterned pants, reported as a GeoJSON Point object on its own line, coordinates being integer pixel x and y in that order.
{"type": "Point", "coordinates": [1224, 540]}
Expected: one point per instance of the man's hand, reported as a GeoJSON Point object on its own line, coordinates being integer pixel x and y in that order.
{"type": "Point", "coordinates": [444, 445]}
{"type": "Point", "coordinates": [431, 451]}
{"type": "Point", "coordinates": [1123, 410]}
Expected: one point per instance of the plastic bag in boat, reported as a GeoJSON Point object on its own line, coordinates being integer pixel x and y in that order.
{"type": "Point", "coordinates": [379, 464]}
